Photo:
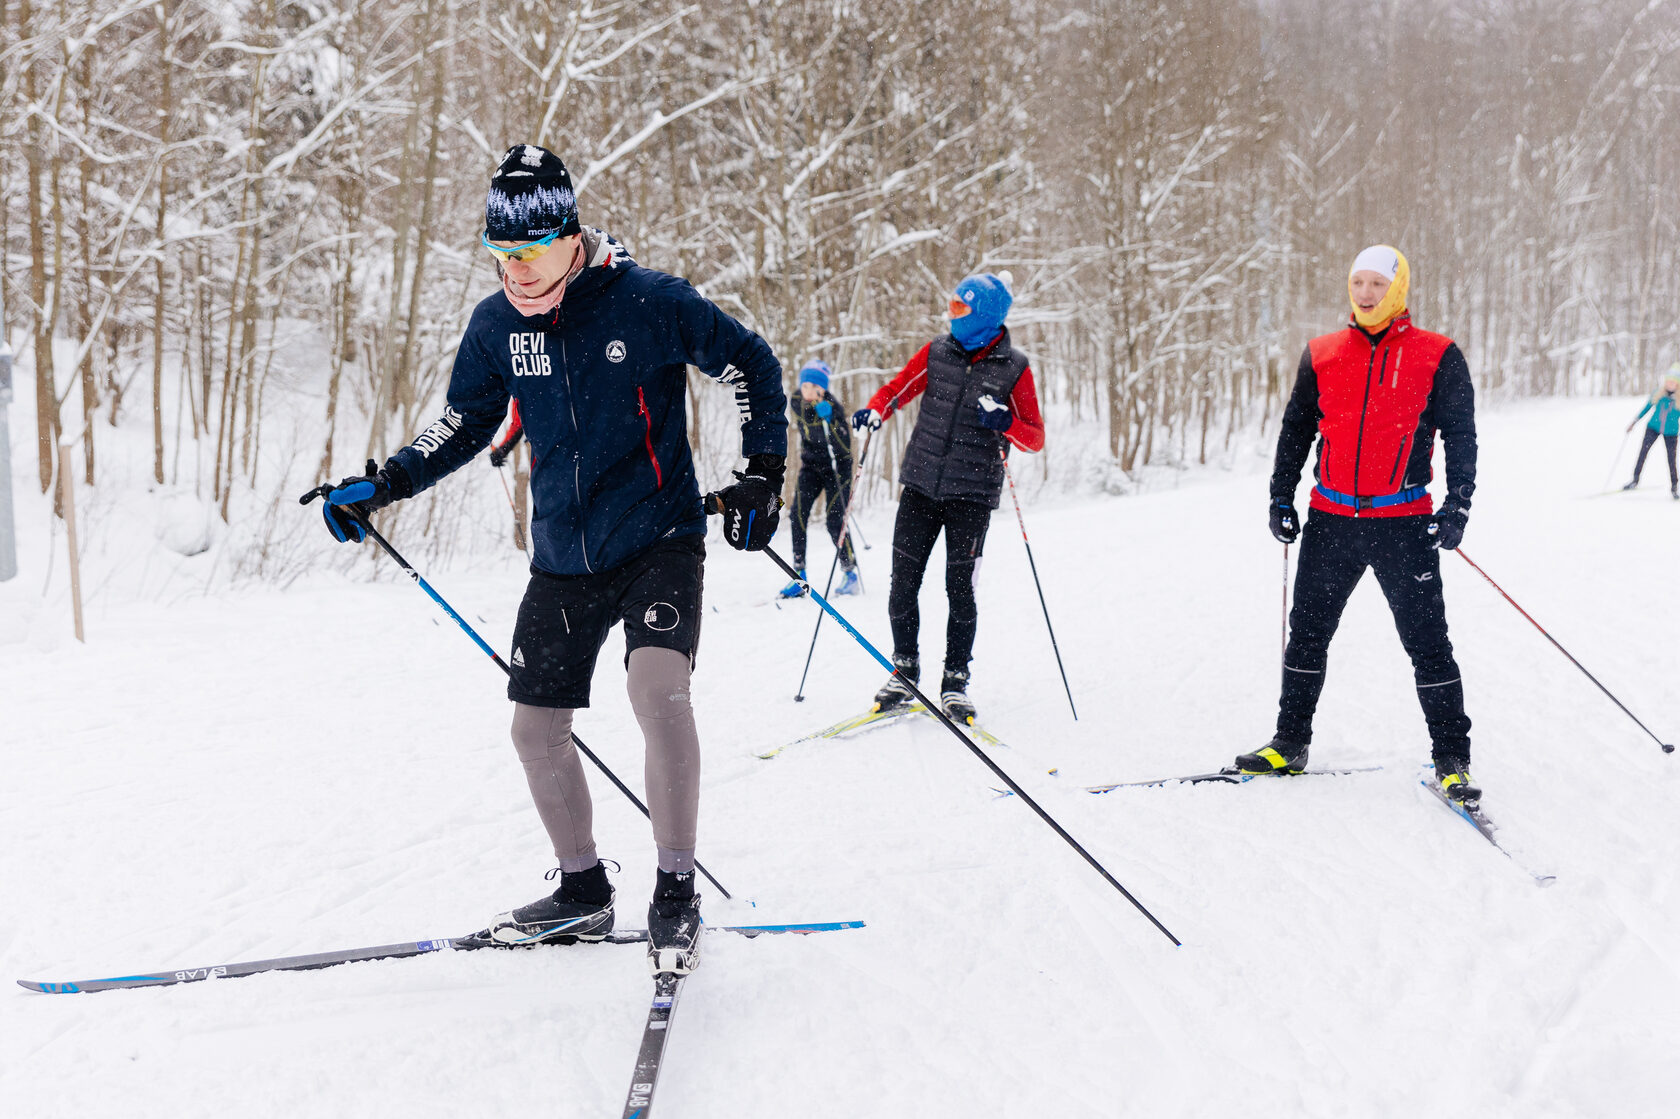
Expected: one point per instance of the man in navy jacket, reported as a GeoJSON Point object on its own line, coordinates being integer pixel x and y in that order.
{"type": "Point", "coordinates": [594, 349]}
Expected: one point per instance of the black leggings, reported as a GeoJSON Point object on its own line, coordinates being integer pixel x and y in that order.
{"type": "Point", "coordinates": [1335, 551]}
{"type": "Point", "coordinates": [1645, 449]}
{"type": "Point", "coordinates": [813, 481]}
{"type": "Point", "coordinates": [920, 519]}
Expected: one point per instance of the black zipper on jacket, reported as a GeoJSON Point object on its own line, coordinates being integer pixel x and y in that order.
{"type": "Point", "coordinates": [950, 428]}
{"type": "Point", "coordinates": [1398, 459]}
{"type": "Point", "coordinates": [1359, 444]}
{"type": "Point", "coordinates": [577, 435]}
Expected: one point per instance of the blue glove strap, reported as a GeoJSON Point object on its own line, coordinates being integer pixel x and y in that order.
{"type": "Point", "coordinates": [349, 495]}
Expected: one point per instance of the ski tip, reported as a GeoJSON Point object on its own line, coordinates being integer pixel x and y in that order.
{"type": "Point", "coordinates": [806, 927]}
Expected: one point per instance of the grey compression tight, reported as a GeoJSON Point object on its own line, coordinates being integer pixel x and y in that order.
{"type": "Point", "coordinates": [658, 688]}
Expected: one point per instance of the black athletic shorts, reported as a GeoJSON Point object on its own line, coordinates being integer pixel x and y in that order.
{"type": "Point", "coordinates": [565, 619]}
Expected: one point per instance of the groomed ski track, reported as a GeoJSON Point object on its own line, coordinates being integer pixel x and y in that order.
{"type": "Point", "coordinates": [186, 787]}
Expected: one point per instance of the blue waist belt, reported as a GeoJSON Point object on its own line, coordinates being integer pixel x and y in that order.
{"type": "Point", "coordinates": [1404, 497]}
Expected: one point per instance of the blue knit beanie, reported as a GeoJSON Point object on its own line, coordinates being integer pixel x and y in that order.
{"type": "Point", "coordinates": [988, 301]}
{"type": "Point", "coordinates": [815, 373]}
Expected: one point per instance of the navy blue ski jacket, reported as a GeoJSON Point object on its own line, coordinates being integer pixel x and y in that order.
{"type": "Point", "coordinates": [601, 382]}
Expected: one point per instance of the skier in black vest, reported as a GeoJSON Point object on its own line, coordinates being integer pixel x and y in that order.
{"type": "Point", "coordinates": [979, 400]}
{"type": "Point", "coordinates": [596, 350]}
{"type": "Point", "coordinates": [825, 467]}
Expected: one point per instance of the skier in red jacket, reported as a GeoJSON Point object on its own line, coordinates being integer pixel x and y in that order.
{"type": "Point", "coordinates": [1374, 395]}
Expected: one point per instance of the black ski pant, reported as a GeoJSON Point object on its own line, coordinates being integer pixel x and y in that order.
{"type": "Point", "coordinates": [1645, 449]}
{"type": "Point", "coordinates": [1335, 551]}
{"type": "Point", "coordinates": [920, 519]}
{"type": "Point", "coordinates": [812, 481]}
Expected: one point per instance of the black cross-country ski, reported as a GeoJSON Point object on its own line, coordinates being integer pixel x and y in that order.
{"type": "Point", "coordinates": [639, 1103]}
{"type": "Point", "coordinates": [1229, 776]}
{"type": "Point", "coordinates": [1486, 828]}
{"type": "Point", "coordinates": [172, 976]}
{"type": "Point", "coordinates": [872, 719]}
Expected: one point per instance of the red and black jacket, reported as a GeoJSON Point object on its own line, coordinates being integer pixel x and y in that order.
{"type": "Point", "coordinates": [1375, 402]}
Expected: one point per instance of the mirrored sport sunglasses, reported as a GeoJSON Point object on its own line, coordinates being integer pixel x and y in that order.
{"type": "Point", "coordinates": [529, 251]}
{"type": "Point", "coordinates": [959, 308]}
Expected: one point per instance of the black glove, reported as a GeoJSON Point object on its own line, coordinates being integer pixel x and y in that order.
{"type": "Point", "coordinates": [499, 455]}
{"type": "Point", "coordinates": [993, 414]}
{"type": "Point", "coordinates": [751, 508]}
{"type": "Point", "coordinates": [1446, 528]}
{"type": "Point", "coordinates": [349, 502]}
{"type": "Point", "coordinates": [866, 417]}
{"type": "Point", "coordinates": [1286, 523]}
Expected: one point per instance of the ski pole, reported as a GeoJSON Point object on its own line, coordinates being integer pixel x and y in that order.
{"type": "Point", "coordinates": [1667, 747]}
{"type": "Point", "coordinates": [420, 582]}
{"type": "Point", "coordinates": [518, 525]}
{"type": "Point", "coordinates": [1283, 641]}
{"type": "Point", "coordinates": [857, 468]}
{"type": "Point", "coordinates": [1610, 478]}
{"type": "Point", "coordinates": [713, 505]}
{"type": "Point", "coordinates": [1020, 520]}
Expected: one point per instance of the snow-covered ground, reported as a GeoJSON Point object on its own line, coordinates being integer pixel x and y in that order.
{"type": "Point", "coordinates": [268, 772]}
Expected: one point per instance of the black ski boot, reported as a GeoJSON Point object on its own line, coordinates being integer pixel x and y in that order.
{"type": "Point", "coordinates": [894, 693]}
{"type": "Point", "coordinates": [674, 925]}
{"type": "Point", "coordinates": [1454, 777]}
{"type": "Point", "coordinates": [581, 909]}
{"type": "Point", "coordinates": [953, 697]}
{"type": "Point", "coordinates": [1276, 756]}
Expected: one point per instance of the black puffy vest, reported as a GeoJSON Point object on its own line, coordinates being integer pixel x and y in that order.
{"type": "Point", "coordinates": [950, 456]}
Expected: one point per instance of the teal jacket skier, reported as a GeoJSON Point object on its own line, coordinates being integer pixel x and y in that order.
{"type": "Point", "coordinates": [1664, 407]}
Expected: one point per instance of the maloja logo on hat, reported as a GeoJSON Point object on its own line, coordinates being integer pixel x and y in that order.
{"type": "Point", "coordinates": [615, 351]}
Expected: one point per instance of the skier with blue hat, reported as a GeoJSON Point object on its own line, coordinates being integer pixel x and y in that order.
{"type": "Point", "coordinates": [979, 402]}
{"type": "Point", "coordinates": [825, 467]}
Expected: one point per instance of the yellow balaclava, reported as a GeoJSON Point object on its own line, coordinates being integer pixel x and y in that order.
{"type": "Point", "coordinates": [1387, 260]}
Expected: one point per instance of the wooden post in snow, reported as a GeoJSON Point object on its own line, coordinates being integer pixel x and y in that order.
{"type": "Point", "coordinates": [67, 498]}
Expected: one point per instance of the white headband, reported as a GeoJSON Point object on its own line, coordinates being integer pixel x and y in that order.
{"type": "Point", "coordinates": [1377, 258]}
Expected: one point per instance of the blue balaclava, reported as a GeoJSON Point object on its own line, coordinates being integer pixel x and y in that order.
{"type": "Point", "coordinates": [988, 301]}
{"type": "Point", "coordinates": [815, 373]}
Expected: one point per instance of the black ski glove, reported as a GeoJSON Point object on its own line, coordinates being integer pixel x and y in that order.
{"type": "Point", "coordinates": [351, 500]}
{"type": "Point", "coordinates": [499, 455]}
{"type": "Point", "coordinates": [993, 414]}
{"type": "Point", "coordinates": [1286, 523]}
{"type": "Point", "coordinates": [1446, 528]}
{"type": "Point", "coordinates": [751, 508]}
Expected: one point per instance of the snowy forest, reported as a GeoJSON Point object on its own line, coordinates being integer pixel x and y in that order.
{"type": "Point", "coordinates": [251, 225]}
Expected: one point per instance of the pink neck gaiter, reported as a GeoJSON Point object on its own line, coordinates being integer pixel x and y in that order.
{"type": "Point", "coordinates": [542, 304]}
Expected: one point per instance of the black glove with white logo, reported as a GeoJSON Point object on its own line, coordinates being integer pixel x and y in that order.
{"type": "Point", "coordinates": [1446, 528]}
{"type": "Point", "coordinates": [1286, 523]}
{"type": "Point", "coordinates": [751, 508]}
{"type": "Point", "coordinates": [993, 414]}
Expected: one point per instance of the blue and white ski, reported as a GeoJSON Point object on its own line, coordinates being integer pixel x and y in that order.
{"type": "Point", "coordinates": [1474, 816]}
{"type": "Point", "coordinates": [171, 976]}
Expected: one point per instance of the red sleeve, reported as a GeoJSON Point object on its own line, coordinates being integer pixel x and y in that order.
{"type": "Point", "coordinates": [1027, 430]}
{"type": "Point", "coordinates": [514, 429]}
{"type": "Point", "coordinates": [905, 387]}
